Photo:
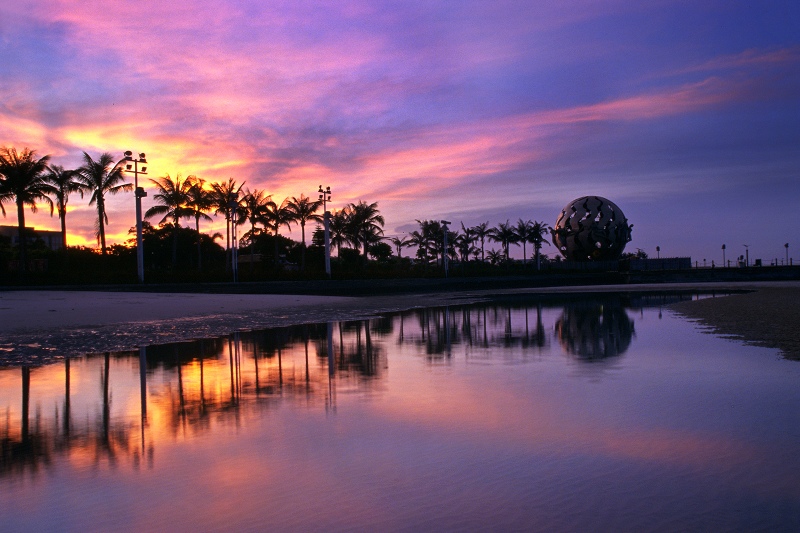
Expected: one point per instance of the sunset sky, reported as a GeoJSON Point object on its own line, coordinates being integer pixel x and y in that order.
{"type": "Point", "coordinates": [685, 114]}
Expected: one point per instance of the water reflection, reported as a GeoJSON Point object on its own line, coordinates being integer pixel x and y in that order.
{"type": "Point", "coordinates": [595, 330]}
{"type": "Point", "coordinates": [113, 409]}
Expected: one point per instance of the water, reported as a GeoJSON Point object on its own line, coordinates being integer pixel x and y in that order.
{"type": "Point", "coordinates": [606, 413]}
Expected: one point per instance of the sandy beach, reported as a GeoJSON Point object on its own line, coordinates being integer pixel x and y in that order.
{"type": "Point", "coordinates": [36, 326]}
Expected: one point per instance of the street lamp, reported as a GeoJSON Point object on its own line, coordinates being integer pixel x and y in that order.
{"type": "Point", "coordinates": [444, 252]}
{"type": "Point", "coordinates": [233, 208]}
{"type": "Point", "coordinates": [723, 255]}
{"type": "Point", "coordinates": [132, 165]}
{"type": "Point", "coordinates": [787, 253]}
{"type": "Point", "coordinates": [658, 252]}
{"type": "Point", "coordinates": [746, 255]}
{"type": "Point", "coordinates": [325, 197]}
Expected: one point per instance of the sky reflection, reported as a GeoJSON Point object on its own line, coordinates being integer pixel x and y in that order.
{"type": "Point", "coordinates": [503, 414]}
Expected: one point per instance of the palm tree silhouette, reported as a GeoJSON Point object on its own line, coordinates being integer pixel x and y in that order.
{"type": "Point", "coordinates": [430, 238]}
{"type": "Point", "coordinates": [481, 231]}
{"type": "Point", "coordinates": [63, 182]}
{"type": "Point", "coordinates": [277, 216]}
{"type": "Point", "coordinates": [338, 226]}
{"type": "Point", "coordinates": [366, 224]}
{"type": "Point", "coordinates": [419, 239]}
{"type": "Point", "coordinates": [225, 199]}
{"type": "Point", "coordinates": [504, 234]}
{"type": "Point", "coordinates": [524, 232]}
{"type": "Point", "coordinates": [255, 206]}
{"type": "Point", "coordinates": [171, 198]}
{"type": "Point", "coordinates": [22, 179]}
{"type": "Point", "coordinates": [199, 201]}
{"type": "Point", "coordinates": [400, 243]}
{"type": "Point", "coordinates": [101, 177]}
{"type": "Point", "coordinates": [464, 241]}
{"type": "Point", "coordinates": [303, 209]}
{"type": "Point", "coordinates": [495, 256]}
{"type": "Point", "coordinates": [538, 232]}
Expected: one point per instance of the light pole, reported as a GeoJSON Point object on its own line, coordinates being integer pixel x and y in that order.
{"type": "Point", "coordinates": [787, 253]}
{"type": "Point", "coordinates": [444, 252]}
{"type": "Point", "coordinates": [132, 165]}
{"type": "Point", "coordinates": [233, 207]}
{"type": "Point", "coordinates": [746, 255]}
{"type": "Point", "coordinates": [723, 255]}
{"type": "Point", "coordinates": [658, 252]}
{"type": "Point", "coordinates": [325, 197]}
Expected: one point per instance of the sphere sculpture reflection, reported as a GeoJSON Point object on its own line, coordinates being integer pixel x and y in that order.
{"type": "Point", "coordinates": [591, 228]}
{"type": "Point", "coordinates": [594, 330]}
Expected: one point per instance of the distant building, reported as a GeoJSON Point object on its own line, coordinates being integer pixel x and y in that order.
{"type": "Point", "coordinates": [51, 239]}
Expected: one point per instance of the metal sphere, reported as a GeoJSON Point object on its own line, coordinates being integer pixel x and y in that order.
{"type": "Point", "coordinates": [591, 228]}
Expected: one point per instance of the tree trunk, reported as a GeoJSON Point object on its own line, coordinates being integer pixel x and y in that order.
{"type": "Point", "coordinates": [100, 216]}
{"type": "Point", "coordinates": [303, 253]}
{"type": "Point", "coordinates": [227, 243]}
{"type": "Point", "coordinates": [175, 244]}
{"type": "Point", "coordinates": [199, 252]}
{"type": "Point", "coordinates": [23, 245]}
{"type": "Point", "coordinates": [62, 214]}
{"type": "Point", "coordinates": [252, 245]}
{"type": "Point", "coordinates": [276, 248]}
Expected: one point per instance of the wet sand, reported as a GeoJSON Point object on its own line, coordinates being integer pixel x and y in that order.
{"type": "Point", "coordinates": [38, 326]}
{"type": "Point", "coordinates": [768, 317]}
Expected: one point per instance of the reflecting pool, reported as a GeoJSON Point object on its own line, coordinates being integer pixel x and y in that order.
{"type": "Point", "coordinates": [603, 412]}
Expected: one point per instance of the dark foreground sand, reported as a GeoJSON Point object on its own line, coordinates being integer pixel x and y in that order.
{"type": "Point", "coordinates": [39, 326]}
{"type": "Point", "coordinates": [766, 317]}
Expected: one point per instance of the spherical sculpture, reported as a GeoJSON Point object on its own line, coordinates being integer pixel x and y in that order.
{"type": "Point", "coordinates": [591, 228]}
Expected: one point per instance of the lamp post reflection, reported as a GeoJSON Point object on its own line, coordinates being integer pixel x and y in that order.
{"type": "Point", "coordinates": [143, 388]}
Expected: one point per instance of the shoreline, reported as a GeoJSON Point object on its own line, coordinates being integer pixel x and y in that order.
{"type": "Point", "coordinates": [38, 326]}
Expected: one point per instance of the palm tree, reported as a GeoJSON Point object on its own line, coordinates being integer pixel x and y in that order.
{"type": "Point", "coordinates": [255, 206]}
{"type": "Point", "coordinates": [481, 231]}
{"type": "Point", "coordinates": [171, 198]}
{"type": "Point", "coordinates": [303, 210]}
{"type": "Point", "coordinates": [277, 216]}
{"type": "Point", "coordinates": [23, 180]}
{"type": "Point", "coordinates": [524, 233]}
{"type": "Point", "coordinates": [225, 199]}
{"type": "Point", "coordinates": [101, 177]}
{"type": "Point", "coordinates": [464, 241]}
{"type": "Point", "coordinates": [366, 224]}
{"type": "Point", "coordinates": [338, 226]}
{"type": "Point", "coordinates": [199, 201]}
{"type": "Point", "coordinates": [400, 243]}
{"type": "Point", "coordinates": [505, 235]}
{"type": "Point", "coordinates": [495, 256]}
{"type": "Point", "coordinates": [63, 182]}
{"type": "Point", "coordinates": [538, 232]}
{"type": "Point", "coordinates": [431, 238]}
{"type": "Point", "coordinates": [420, 239]}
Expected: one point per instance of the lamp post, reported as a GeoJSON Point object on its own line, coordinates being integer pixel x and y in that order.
{"type": "Point", "coordinates": [444, 252]}
{"type": "Point", "coordinates": [746, 255]}
{"type": "Point", "coordinates": [787, 253]}
{"type": "Point", "coordinates": [658, 252]}
{"type": "Point", "coordinates": [132, 165]}
{"type": "Point", "coordinates": [723, 255]}
{"type": "Point", "coordinates": [325, 197]}
{"type": "Point", "coordinates": [233, 208]}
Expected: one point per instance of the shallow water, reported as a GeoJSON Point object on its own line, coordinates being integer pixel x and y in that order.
{"type": "Point", "coordinates": [601, 413]}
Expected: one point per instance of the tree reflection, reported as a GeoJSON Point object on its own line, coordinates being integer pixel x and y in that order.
{"type": "Point", "coordinates": [190, 388]}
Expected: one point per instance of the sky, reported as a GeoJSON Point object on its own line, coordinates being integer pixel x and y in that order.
{"type": "Point", "coordinates": [686, 114]}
